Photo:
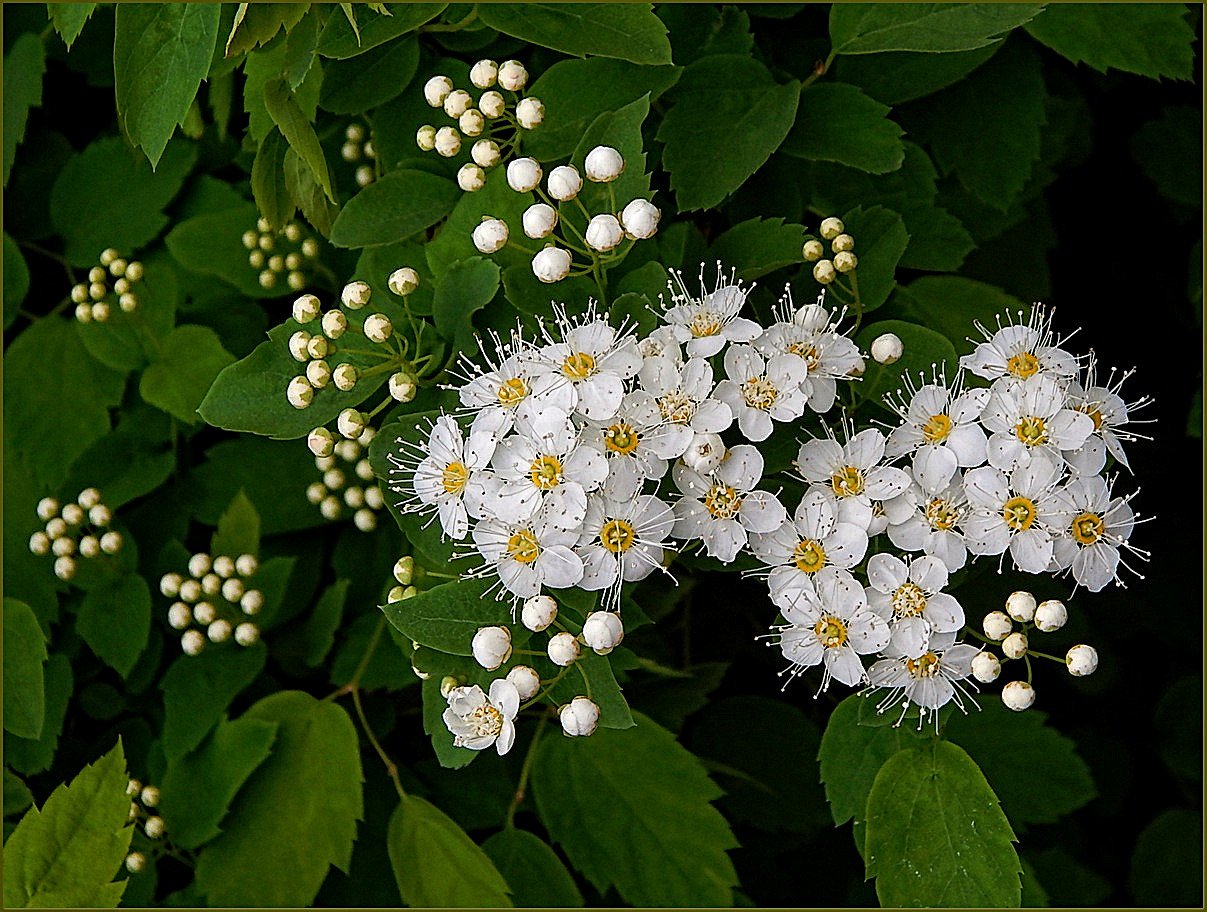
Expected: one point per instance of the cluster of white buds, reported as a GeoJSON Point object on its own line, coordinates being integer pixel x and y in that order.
{"type": "Point", "coordinates": [144, 799]}
{"type": "Point", "coordinates": [275, 252]}
{"type": "Point", "coordinates": [357, 146]}
{"type": "Point", "coordinates": [74, 530]}
{"type": "Point", "coordinates": [494, 125]}
{"type": "Point", "coordinates": [216, 596]}
{"type": "Point", "coordinates": [345, 468]}
{"type": "Point", "coordinates": [603, 233]}
{"type": "Point", "coordinates": [1031, 616]}
{"type": "Point", "coordinates": [404, 574]}
{"type": "Point", "coordinates": [842, 247]}
{"type": "Point", "coordinates": [94, 299]}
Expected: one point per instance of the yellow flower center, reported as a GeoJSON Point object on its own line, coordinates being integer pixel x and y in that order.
{"type": "Point", "coordinates": [1022, 365]}
{"type": "Point", "coordinates": [759, 393]}
{"type": "Point", "coordinates": [847, 481]}
{"type": "Point", "coordinates": [578, 366]}
{"type": "Point", "coordinates": [524, 547]}
{"type": "Point", "coordinates": [621, 438]}
{"type": "Point", "coordinates": [677, 408]}
{"type": "Point", "coordinates": [941, 514]}
{"type": "Point", "coordinates": [908, 600]}
{"type": "Point", "coordinates": [486, 720]}
{"type": "Point", "coordinates": [831, 631]}
{"type": "Point", "coordinates": [1019, 513]}
{"type": "Point", "coordinates": [925, 666]}
{"type": "Point", "coordinates": [1095, 415]}
{"type": "Point", "coordinates": [545, 472]}
{"type": "Point", "coordinates": [722, 501]}
{"type": "Point", "coordinates": [806, 351]}
{"type": "Point", "coordinates": [809, 556]}
{"type": "Point", "coordinates": [1088, 528]}
{"type": "Point", "coordinates": [936, 428]}
{"type": "Point", "coordinates": [617, 535]}
{"type": "Point", "coordinates": [512, 390]}
{"type": "Point", "coordinates": [1031, 430]}
{"type": "Point", "coordinates": [704, 323]}
{"type": "Point", "coordinates": [454, 477]}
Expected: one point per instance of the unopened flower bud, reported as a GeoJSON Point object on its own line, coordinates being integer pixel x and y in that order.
{"type": "Point", "coordinates": [252, 602]}
{"type": "Point", "coordinates": [512, 75]}
{"type": "Point", "coordinates": [403, 281]}
{"type": "Point", "coordinates": [83, 313]}
{"type": "Point", "coordinates": [73, 514]}
{"type": "Point", "coordinates": [525, 680]}
{"type": "Point", "coordinates": [844, 242]}
{"type": "Point", "coordinates": [63, 547]}
{"type": "Point", "coordinates": [530, 112]}
{"type": "Point", "coordinates": [492, 104]}
{"type": "Point", "coordinates": [306, 308]}
{"type": "Point", "coordinates": [523, 174]}
{"type": "Point", "coordinates": [823, 272]}
{"type": "Point", "coordinates": [845, 261]}
{"type": "Point", "coordinates": [350, 151]}
{"type": "Point", "coordinates": [471, 178]}
{"type": "Point", "coordinates": [1018, 695]}
{"type": "Point", "coordinates": [48, 509]}
{"type": "Point", "coordinates": [704, 453]}
{"type": "Point", "coordinates": [402, 386]}
{"type": "Point", "coordinates": [378, 328]}
{"type": "Point", "coordinates": [90, 546]}
{"type": "Point", "coordinates": [425, 138]}
{"type": "Point", "coordinates": [97, 291]}
{"type": "Point", "coordinates": [539, 220]}
{"type": "Point", "coordinates": [1081, 660]}
{"type": "Point", "coordinates": [364, 471]}
{"type": "Point", "coordinates": [492, 647]}
{"type": "Point", "coordinates": [334, 324]}
{"type": "Point", "coordinates": [457, 103]}
{"type": "Point", "coordinates": [351, 422]}
{"type": "Point", "coordinates": [395, 594]}
{"type": "Point", "coordinates": [192, 642]}
{"type": "Point", "coordinates": [831, 228]}
{"type": "Point", "coordinates": [219, 631]}
{"type": "Point", "coordinates": [96, 275]}
{"type": "Point", "coordinates": [1051, 615]}
{"type": "Point", "coordinates": [996, 625]}
{"type": "Point", "coordinates": [552, 264]}
{"type": "Point", "coordinates": [603, 164]}
{"type": "Point", "coordinates": [448, 684]}
{"type": "Point", "coordinates": [136, 862]}
{"type": "Point", "coordinates": [564, 183]}
{"type": "Point", "coordinates": [604, 232]}
{"type": "Point", "coordinates": [404, 570]}
{"type": "Point", "coordinates": [232, 590]}
{"type": "Point", "coordinates": [640, 219]}
{"type": "Point", "coordinates": [318, 347]}
{"type": "Point", "coordinates": [1021, 606]}
{"type": "Point", "coordinates": [563, 649]}
{"type": "Point", "coordinates": [448, 141]}
{"type": "Point", "coordinates": [154, 827]}
{"type": "Point", "coordinates": [471, 123]}
{"type": "Point", "coordinates": [205, 612]}
{"type": "Point", "coordinates": [579, 717]}
{"type": "Point", "coordinates": [89, 498]}
{"type": "Point", "coordinates": [538, 612]}
{"type": "Point", "coordinates": [179, 616]}
{"type": "Point", "coordinates": [355, 295]}
{"type": "Point", "coordinates": [246, 634]}
{"type": "Point", "coordinates": [246, 564]}
{"type": "Point", "coordinates": [485, 153]}
{"type": "Point", "coordinates": [298, 344]}
{"type": "Point", "coordinates": [887, 348]}
{"type": "Point", "coordinates": [199, 564]}
{"type": "Point", "coordinates": [354, 497]}
{"type": "Point", "coordinates": [986, 667]}
{"type": "Point", "coordinates": [490, 235]}
{"type": "Point", "coordinates": [318, 373]}
{"type": "Point", "coordinates": [436, 89]}
{"type": "Point", "coordinates": [64, 568]}
{"type": "Point", "coordinates": [150, 796]}
{"type": "Point", "coordinates": [345, 376]}
{"type": "Point", "coordinates": [39, 543]}
{"type": "Point", "coordinates": [603, 631]}
{"type": "Point", "coordinates": [190, 590]}
{"type": "Point", "coordinates": [1015, 646]}
{"type": "Point", "coordinates": [484, 73]}
{"type": "Point", "coordinates": [56, 528]}
{"type": "Point", "coordinates": [128, 302]}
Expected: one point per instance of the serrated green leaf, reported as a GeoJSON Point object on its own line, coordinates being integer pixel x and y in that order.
{"type": "Point", "coordinates": [285, 112]}
{"type": "Point", "coordinates": [308, 195]}
{"type": "Point", "coordinates": [161, 52]}
{"type": "Point", "coordinates": [257, 24]}
{"type": "Point", "coordinates": [388, 668]}
{"type": "Point", "coordinates": [532, 870]}
{"type": "Point", "coordinates": [361, 83]}
{"type": "Point", "coordinates": [895, 78]}
{"type": "Point", "coordinates": [24, 67]}
{"type": "Point", "coordinates": [17, 796]}
{"type": "Point", "coordinates": [268, 181]}
{"type": "Point", "coordinates": [265, 66]}
{"type": "Point", "coordinates": [447, 616]}
{"type": "Point", "coordinates": [462, 291]}
{"type": "Point", "coordinates": [115, 621]}
{"type": "Point", "coordinates": [938, 240]}
{"type": "Point", "coordinates": [67, 853]}
{"type": "Point", "coordinates": [620, 129]}
{"type": "Point", "coordinates": [1169, 150]}
{"type": "Point", "coordinates": [198, 787]}
{"type": "Point", "coordinates": [125, 464]}
{"type": "Point", "coordinates": [69, 19]}
{"type": "Point", "coordinates": [868, 28]}
{"type": "Point", "coordinates": [436, 864]}
{"type": "Point", "coordinates": [26, 755]}
{"type": "Point", "coordinates": [936, 835]}
{"type": "Point", "coordinates": [697, 31]}
{"type": "Point", "coordinates": [923, 349]}
{"type": "Point", "coordinates": [238, 529]}
{"type": "Point", "coordinates": [729, 116]}
{"type": "Point", "coordinates": [661, 842]}
{"type": "Point", "coordinates": [758, 246]}
{"type": "Point", "coordinates": [178, 380]}
{"type": "Point", "coordinates": [339, 40]}
{"type": "Point", "coordinates": [627, 31]}
{"type": "Point", "coordinates": [24, 679]}
{"type": "Point", "coordinates": [393, 208]}
{"type": "Point", "coordinates": [593, 678]}
{"type": "Point", "coordinates": [296, 814]}
{"type": "Point", "coordinates": [1151, 39]}
{"type": "Point", "coordinates": [16, 280]}
{"type": "Point", "coordinates": [314, 639]}
{"type": "Point", "coordinates": [838, 122]}
{"type": "Point", "coordinates": [198, 689]}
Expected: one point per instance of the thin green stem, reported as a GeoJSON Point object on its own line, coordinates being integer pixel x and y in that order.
{"type": "Point", "coordinates": [522, 785]}
{"type": "Point", "coordinates": [819, 70]}
{"type": "Point", "coordinates": [1045, 655]}
{"type": "Point", "coordinates": [391, 766]}
{"type": "Point", "coordinates": [552, 683]}
{"type": "Point", "coordinates": [451, 26]}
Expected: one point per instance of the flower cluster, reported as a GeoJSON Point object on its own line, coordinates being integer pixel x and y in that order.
{"type": "Point", "coordinates": [346, 469]}
{"type": "Point", "coordinates": [358, 146]}
{"type": "Point", "coordinates": [601, 236]}
{"type": "Point", "coordinates": [842, 246]}
{"type": "Point", "coordinates": [76, 530]}
{"type": "Point", "coordinates": [94, 299]}
{"type": "Point", "coordinates": [495, 123]}
{"type": "Point", "coordinates": [267, 255]}
{"type": "Point", "coordinates": [216, 595]}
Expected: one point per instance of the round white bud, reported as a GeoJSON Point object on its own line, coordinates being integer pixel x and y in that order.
{"type": "Point", "coordinates": [1018, 695]}
{"type": "Point", "coordinates": [96, 274]}
{"type": "Point", "coordinates": [298, 343]}
{"type": "Point", "coordinates": [425, 138]}
{"type": "Point", "coordinates": [996, 625]}
{"type": "Point", "coordinates": [334, 324]}
{"type": "Point", "coordinates": [471, 123]}
{"type": "Point", "coordinates": [205, 612]}
{"type": "Point", "coordinates": [90, 546]}
{"type": "Point", "coordinates": [192, 642]}
{"type": "Point", "coordinates": [190, 590]}
{"type": "Point", "coordinates": [492, 647]}
{"type": "Point", "coordinates": [552, 264]}
{"type": "Point", "coordinates": [471, 178]}
{"type": "Point", "coordinates": [604, 232]}
{"type": "Point", "coordinates": [252, 602]}
{"type": "Point", "coordinates": [350, 151]}
{"type": "Point", "coordinates": [887, 348]}
{"type": "Point", "coordinates": [986, 667]}
{"type": "Point", "coordinates": [48, 509]}
{"type": "Point", "coordinates": [539, 220]}
{"type": "Point", "coordinates": [79, 295]}
{"type": "Point", "coordinates": [345, 376]}
{"type": "Point", "coordinates": [246, 634]}
{"type": "Point", "coordinates": [448, 684]}
{"type": "Point", "coordinates": [219, 631]}
{"type": "Point", "coordinates": [150, 796]}
{"type": "Point", "coordinates": [448, 141]}
{"type": "Point", "coordinates": [136, 862]}
{"type": "Point", "coordinates": [403, 281]}
{"type": "Point", "coordinates": [39, 543]}
{"type": "Point", "coordinates": [121, 286]}
{"type": "Point", "coordinates": [97, 291]}
{"type": "Point", "coordinates": [484, 73]}
{"type": "Point", "coordinates": [251, 239]}
{"type": "Point", "coordinates": [538, 612]}
{"type": "Point", "coordinates": [135, 271]}
{"type": "Point", "coordinates": [56, 528]}
{"type": "Point", "coordinates": [347, 450]}
{"type": "Point", "coordinates": [63, 547]}
{"type": "Point", "coordinates": [523, 174]}
{"type": "Point", "coordinates": [224, 566]}
{"type": "Point", "coordinates": [845, 261]}
{"type": "Point", "coordinates": [354, 132]}
{"type": "Point", "coordinates": [436, 89]}
{"type": "Point", "coordinates": [831, 228]}
{"type": "Point", "coordinates": [199, 564]}
{"type": "Point", "coordinates": [525, 680]}
{"type": "Point", "coordinates": [402, 386]}
{"type": "Point", "coordinates": [492, 104]}
{"type": "Point", "coordinates": [485, 153]}
{"type": "Point", "coordinates": [490, 235]}
{"type": "Point", "coordinates": [211, 584]}
{"type": "Point", "coordinates": [334, 479]}
{"type": "Point", "coordinates": [603, 164]}
{"type": "Point", "coordinates": [512, 75]}
{"type": "Point", "coordinates": [246, 564]}
{"type": "Point", "coordinates": [179, 616]}
{"type": "Point", "coordinates": [268, 278]}
{"type": "Point", "coordinates": [1081, 660]}
{"type": "Point", "coordinates": [306, 308]}
{"type": "Point", "coordinates": [640, 219]}
{"type": "Point", "coordinates": [100, 312]}
{"type": "Point", "coordinates": [404, 570]}
{"type": "Point", "coordinates": [310, 248]}
{"type": "Point", "coordinates": [321, 441]}
{"type": "Point", "coordinates": [457, 103]}
{"type": "Point", "coordinates": [318, 373]}
{"type": "Point", "coordinates": [563, 649]}
{"type": "Point", "coordinates": [83, 313]}
{"type": "Point", "coordinates": [564, 183]}
{"type": "Point", "coordinates": [530, 112]}
{"type": "Point", "coordinates": [351, 422]}
{"type": "Point", "coordinates": [355, 295]}
{"type": "Point", "coordinates": [1015, 646]}
{"type": "Point", "coordinates": [1021, 606]}
{"type": "Point", "coordinates": [843, 243]}
{"type": "Point", "coordinates": [64, 567]}
{"type": "Point", "coordinates": [579, 717]}
{"type": "Point", "coordinates": [1051, 615]}
{"type": "Point", "coordinates": [378, 328]}
{"type": "Point", "coordinates": [823, 272]}
{"type": "Point", "coordinates": [395, 594]}
{"type": "Point", "coordinates": [354, 497]}
{"type": "Point", "coordinates": [73, 514]}
{"type": "Point", "coordinates": [299, 393]}
{"type": "Point", "coordinates": [89, 498]}
{"type": "Point", "coordinates": [603, 631]}
{"type": "Point", "coordinates": [704, 453]}
{"type": "Point", "coordinates": [276, 263]}
{"type": "Point", "coordinates": [128, 302]}
{"type": "Point", "coordinates": [232, 590]}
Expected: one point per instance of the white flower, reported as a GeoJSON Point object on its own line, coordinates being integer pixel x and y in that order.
{"type": "Point", "coordinates": [523, 174]}
{"type": "Point", "coordinates": [802, 547]}
{"type": "Point", "coordinates": [490, 235]}
{"type": "Point", "coordinates": [530, 112]}
{"type": "Point", "coordinates": [551, 264]}
{"type": "Point", "coordinates": [511, 389]}
{"type": "Point", "coordinates": [603, 164]}
{"type": "Point", "coordinates": [811, 336]}
{"type": "Point", "coordinates": [449, 475]}
{"type": "Point", "coordinates": [402, 282]}
{"type": "Point", "coordinates": [564, 183]}
{"type": "Point", "coordinates": [709, 322]}
{"type": "Point", "coordinates": [1092, 529]}
{"type": "Point", "coordinates": [759, 390]}
{"type": "Point", "coordinates": [910, 597]}
{"type": "Point", "coordinates": [640, 219]}
{"type": "Point", "coordinates": [637, 442]}
{"type": "Point", "coordinates": [940, 428]}
{"type": "Point", "coordinates": [1051, 615]}
{"type": "Point", "coordinates": [1016, 512]}
{"type": "Point", "coordinates": [491, 647]}
{"type": "Point", "coordinates": [492, 104]}
{"type": "Point", "coordinates": [593, 361]}
{"type": "Point", "coordinates": [929, 679]}
{"type": "Point", "coordinates": [1020, 350]}
{"type": "Point", "coordinates": [448, 141]}
{"type": "Point", "coordinates": [830, 623]}
{"type": "Point", "coordinates": [543, 457]}
{"type": "Point", "coordinates": [930, 521]}
{"type": "Point", "coordinates": [457, 102]}
{"type": "Point", "coordinates": [539, 220]}
{"type": "Point", "coordinates": [622, 542]}
{"type": "Point", "coordinates": [851, 474]}
{"type": "Point", "coordinates": [1111, 416]}
{"type": "Point", "coordinates": [1028, 417]}
{"type": "Point", "coordinates": [722, 508]}
{"type": "Point", "coordinates": [579, 717]}
{"type": "Point", "coordinates": [478, 720]}
{"type": "Point", "coordinates": [563, 649]}
{"type": "Point", "coordinates": [603, 232]}
{"type": "Point", "coordinates": [535, 552]}
{"type": "Point", "coordinates": [704, 453]}
{"type": "Point", "coordinates": [682, 393]}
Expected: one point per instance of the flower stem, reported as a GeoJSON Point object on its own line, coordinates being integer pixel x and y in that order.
{"type": "Point", "coordinates": [522, 785]}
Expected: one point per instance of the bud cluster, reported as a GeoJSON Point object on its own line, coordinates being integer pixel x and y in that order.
{"type": "Point", "coordinates": [404, 574]}
{"type": "Point", "coordinates": [95, 298]}
{"type": "Point", "coordinates": [842, 247]}
{"type": "Point", "coordinates": [144, 800]}
{"type": "Point", "coordinates": [214, 595]}
{"type": "Point", "coordinates": [275, 252]}
{"type": "Point", "coordinates": [347, 477]}
{"type": "Point", "coordinates": [76, 530]}
{"type": "Point", "coordinates": [357, 146]}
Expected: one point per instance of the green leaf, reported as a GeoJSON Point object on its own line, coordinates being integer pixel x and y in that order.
{"type": "Point", "coordinates": [837, 122]}
{"type": "Point", "coordinates": [361, 83]}
{"type": "Point", "coordinates": [758, 246]}
{"type": "Point", "coordinates": [729, 116]}
{"type": "Point", "coordinates": [1169, 149]}
{"type": "Point", "coordinates": [17, 796]}
{"type": "Point", "coordinates": [319, 632]}
{"type": "Point", "coordinates": [238, 529]}
{"type": "Point", "coordinates": [597, 679]}
{"type": "Point", "coordinates": [67, 853]}
{"type": "Point", "coordinates": [620, 129]}
{"type": "Point", "coordinates": [105, 197]}
{"type": "Point", "coordinates": [436, 864]}
{"type": "Point", "coordinates": [131, 343]}
{"type": "Point", "coordinates": [447, 616]}
{"type": "Point", "coordinates": [936, 835]}
{"type": "Point", "coordinates": [697, 31]}
{"type": "Point", "coordinates": [179, 379]}
{"type": "Point", "coordinates": [198, 788]}
{"type": "Point", "coordinates": [868, 28]}
{"type": "Point", "coordinates": [161, 52]}
{"type": "Point", "coordinates": [198, 689]}
{"type": "Point", "coordinates": [1016, 751]}
{"type": "Point", "coordinates": [115, 621]}
{"type": "Point", "coordinates": [532, 869]}
{"type": "Point", "coordinates": [576, 92]}
{"type": "Point", "coordinates": [880, 242]}
{"type": "Point", "coordinates": [24, 679]}
{"type": "Point", "coordinates": [297, 813]}
{"type": "Point", "coordinates": [339, 40]}
{"type": "Point", "coordinates": [951, 305]}
{"type": "Point", "coordinates": [937, 239]}
{"type": "Point", "coordinates": [211, 244]}
{"type": "Point", "coordinates": [16, 280]}
{"type": "Point", "coordinates": [660, 841]}
{"type": "Point", "coordinates": [298, 131]}
{"type": "Point", "coordinates": [924, 348]}
{"type": "Point", "coordinates": [626, 31]}
{"type": "Point", "coordinates": [390, 666]}
{"type": "Point", "coordinates": [308, 195]}
{"type": "Point", "coordinates": [268, 181]}
{"type": "Point", "coordinates": [895, 78]}
{"type": "Point", "coordinates": [125, 464]}
{"type": "Point", "coordinates": [26, 755]}
{"type": "Point", "coordinates": [1165, 864]}
{"type": "Point", "coordinates": [24, 67]}
{"type": "Point", "coordinates": [69, 19]}
{"type": "Point", "coordinates": [264, 67]}
{"type": "Point", "coordinates": [994, 158]}
{"type": "Point", "coordinates": [1151, 39]}
{"type": "Point", "coordinates": [256, 24]}
{"type": "Point", "coordinates": [454, 242]}
{"type": "Point", "coordinates": [393, 208]}
{"type": "Point", "coordinates": [462, 291]}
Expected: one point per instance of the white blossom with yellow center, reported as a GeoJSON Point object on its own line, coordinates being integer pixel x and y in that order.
{"type": "Point", "coordinates": [1017, 512]}
{"type": "Point", "coordinates": [810, 335]}
{"type": "Point", "coordinates": [536, 552]}
{"type": "Point", "coordinates": [1019, 351]}
{"type": "Point", "coordinates": [851, 474]}
{"type": "Point", "coordinates": [910, 597]}
{"type": "Point", "coordinates": [591, 360]}
{"type": "Point", "coordinates": [510, 389]}
{"type": "Point", "coordinates": [939, 431]}
{"type": "Point", "coordinates": [1094, 529]}
{"type": "Point", "coordinates": [622, 542]}
{"type": "Point", "coordinates": [477, 720]}
{"type": "Point", "coordinates": [1032, 417]}
{"type": "Point", "coordinates": [449, 479]}
{"type": "Point", "coordinates": [706, 324]}
{"type": "Point", "coordinates": [761, 391]}
{"type": "Point", "coordinates": [543, 456]}
{"type": "Point", "coordinates": [929, 678]}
